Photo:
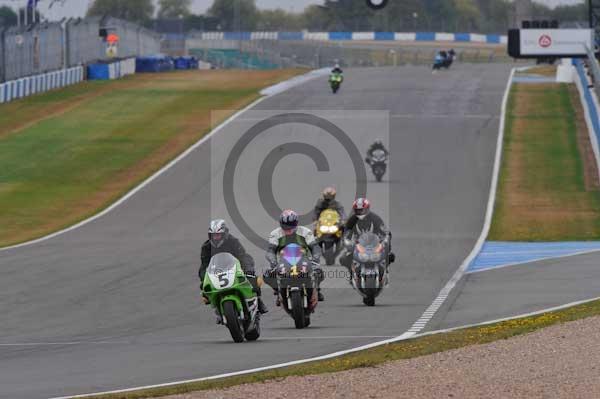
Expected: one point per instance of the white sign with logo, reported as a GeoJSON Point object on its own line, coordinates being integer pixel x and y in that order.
{"type": "Point", "coordinates": [555, 42]}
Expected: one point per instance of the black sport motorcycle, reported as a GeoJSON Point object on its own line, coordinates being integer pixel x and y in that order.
{"type": "Point", "coordinates": [378, 162]}
{"type": "Point", "coordinates": [369, 267]}
{"type": "Point", "coordinates": [296, 282]}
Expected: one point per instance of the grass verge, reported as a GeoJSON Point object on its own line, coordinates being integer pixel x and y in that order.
{"type": "Point", "coordinates": [411, 348]}
{"type": "Point", "coordinates": [69, 153]}
{"type": "Point", "coordinates": [546, 191]}
{"type": "Point", "coordinates": [543, 70]}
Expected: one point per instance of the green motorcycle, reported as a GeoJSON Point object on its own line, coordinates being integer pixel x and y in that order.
{"type": "Point", "coordinates": [231, 294]}
{"type": "Point", "coordinates": [335, 80]}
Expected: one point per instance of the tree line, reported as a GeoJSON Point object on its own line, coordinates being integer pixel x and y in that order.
{"type": "Point", "coordinates": [486, 16]}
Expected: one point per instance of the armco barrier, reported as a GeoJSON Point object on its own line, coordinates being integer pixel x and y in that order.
{"type": "Point", "coordinates": [345, 36]}
{"type": "Point", "coordinates": [590, 107]}
{"type": "Point", "coordinates": [24, 87]}
{"type": "Point", "coordinates": [154, 64]}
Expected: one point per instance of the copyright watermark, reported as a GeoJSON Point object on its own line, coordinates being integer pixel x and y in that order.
{"type": "Point", "coordinates": [267, 161]}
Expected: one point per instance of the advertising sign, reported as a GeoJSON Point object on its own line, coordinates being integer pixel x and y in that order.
{"type": "Point", "coordinates": [555, 42]}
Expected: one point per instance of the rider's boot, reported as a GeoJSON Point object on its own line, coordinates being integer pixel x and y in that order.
{"type": "Point", "coordinates": [277, 298]}
{"type": "Point", "coordinates": [262, 308]}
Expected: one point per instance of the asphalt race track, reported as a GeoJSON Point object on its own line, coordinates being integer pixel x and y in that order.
{"type": "Point", "coordinates": [521, 289]}
{"type": "Point", "coordinates": [115, 304]}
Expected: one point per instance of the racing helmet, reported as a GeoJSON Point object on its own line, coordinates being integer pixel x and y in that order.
{"type": "Point", "coordinates": [329, 193]}
{"type": "Point", "coordinates": [361, 207]}
{"type": "Point", "coordinates": [218, 232]}
{"type": "Point", "coordinates": [288, 220]}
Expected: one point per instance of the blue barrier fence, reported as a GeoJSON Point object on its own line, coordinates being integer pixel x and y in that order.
{"type": "Point", "coordinates": [344, 36]}
{"type": "Point", "coordinates": [111, 70]}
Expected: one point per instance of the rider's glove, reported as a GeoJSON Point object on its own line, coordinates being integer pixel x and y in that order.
{"type": "Point", "coordinates": [205, 299]}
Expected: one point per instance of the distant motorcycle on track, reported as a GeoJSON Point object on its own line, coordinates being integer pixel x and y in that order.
{"type": "Point", "coordinates": [443, 59]}
{"type": "Point", "coordinates": [335, 81]}
{"type": "Point", "coordinates": [378, 163]}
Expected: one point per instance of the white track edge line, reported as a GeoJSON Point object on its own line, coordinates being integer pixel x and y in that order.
{"type": "Point", "coordinates": [520, 316]}
{"type": "Point", "coordinates": [411, 332]}
{"type": "Point", "coordinates": [402, 337]}
{"type": "Point", "coordinates": [141, 185]}
{"type": "Point", "coordinates": [487, 269]}
{"type": "Point", "coordinates": [445, 292]}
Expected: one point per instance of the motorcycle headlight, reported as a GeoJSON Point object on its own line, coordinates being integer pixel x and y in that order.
{"type": "Point", "coordinates": [375, 257]}
{"type": "Point", "coordinates": [333, 229]}
{"type": "Point", "coordinates": [362, 256]}
{"type": "Point", "coordinates": [324, 229]}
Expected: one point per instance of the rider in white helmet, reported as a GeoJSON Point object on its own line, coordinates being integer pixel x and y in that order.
{"type": "Point", "coordinates": [337, 69]}
{"type": "Point", "coordinates": [221, 240]}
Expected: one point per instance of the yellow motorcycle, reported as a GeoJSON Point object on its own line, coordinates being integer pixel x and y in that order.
{"type": "Point", "coordinates": [329, 234]}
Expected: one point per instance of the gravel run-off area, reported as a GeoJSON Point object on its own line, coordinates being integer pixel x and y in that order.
{"type": "Point", "coordinates": [562, 361]}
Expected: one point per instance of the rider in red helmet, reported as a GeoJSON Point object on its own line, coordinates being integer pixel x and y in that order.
{"type": "Point", "coordinates": [364, 220]}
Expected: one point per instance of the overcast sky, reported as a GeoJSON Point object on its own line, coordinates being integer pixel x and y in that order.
{"type": "Point", "coordinates": [77, 8]}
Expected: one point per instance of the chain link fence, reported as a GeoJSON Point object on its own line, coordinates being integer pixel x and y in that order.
{"type": "Point", "coordinates": [319, 54]}
{"type": "Point", "coordinates": [36, 49]}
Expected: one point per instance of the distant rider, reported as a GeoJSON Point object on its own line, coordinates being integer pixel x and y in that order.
{"type": "Point", "coordinates": [221, 240]}
{"type": "Point", "coordinates": [363, 220]}
{"type": "Point", "coordinates": [451, 54]}
{"type": "Point", "coordinates": [328, 201]}
{"type": "Point", "coordinates": [290, 233]}
{"type": "Point", "coordinates": [377, 145]}
{"type": "Point", "coordinates": [439, 59]}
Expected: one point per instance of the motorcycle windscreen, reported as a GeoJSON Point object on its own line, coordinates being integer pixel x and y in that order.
{"type": "Point", "coordinates": [369, 249]}
{"type": "Point", "coordinates": [292, 254]}
{"type": "Point", "coordinates": [329, 217]}
{"type": "Point", "coordinates": [221, 270]}
{"type": "Point", "coordinates": [222, 262]}
{"type": "Point", "coordinates": [369, 240]}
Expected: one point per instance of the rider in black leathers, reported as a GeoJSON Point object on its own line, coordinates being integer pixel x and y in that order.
{"type": "Point", "coordinates": [220, 240]}
{"type": "Point", "coordinates": [363, 220]}
{"type": "Point", "coordinates": [377, 145]}
{"type": "Point", "coordinates": [337, 69]}
{"type": "Point", "coordinates": [328, 201]}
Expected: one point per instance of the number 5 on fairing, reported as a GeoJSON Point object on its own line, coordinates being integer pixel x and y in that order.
{"type": "Point", "coordinates": [231, 294]}
{"type": "Point", "coordinates": [223, 280]}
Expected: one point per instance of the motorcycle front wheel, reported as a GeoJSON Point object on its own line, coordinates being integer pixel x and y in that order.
{"type": "Point", "coordinates": [297, 309]}
{"type": "Point", "coordinates": [233, 321]}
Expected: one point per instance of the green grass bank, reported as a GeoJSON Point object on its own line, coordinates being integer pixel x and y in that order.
{"type": "Point", "coordinates": [67, 154]}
